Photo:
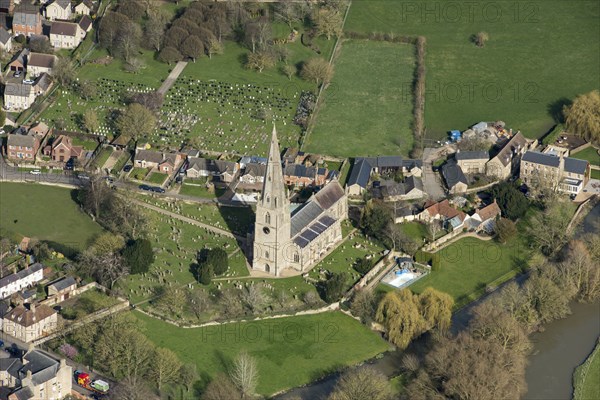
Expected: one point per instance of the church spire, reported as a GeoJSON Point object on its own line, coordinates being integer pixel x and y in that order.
{"type": "Point", "coordinates": [274, 193]}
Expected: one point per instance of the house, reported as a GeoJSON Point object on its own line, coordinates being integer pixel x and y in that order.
{"type": "Point", "coordinates": [62, 288]}
{"type": "Point", "coordinates": [38, 63]}
{"type": "Point", "coordinates": [84, 8]}
{"type": "Point", "coordinates": [19, 62]}
{"type": "Point", "coordinates": [42, 84]}
{"type": "Point", "coordinates": [252, 160]}
{"type": "Point", "coordinates": [202, 167]}
{"type": "Point", "coordinates": [7, 6]}
{"type": "Point", "coordinates": [5, 40]}
{"type": "Point", "coordinates": [27, 21]}
{"type": "Point", "coordinates": [59, 9]}
{"type": "Point", "coordinates": [253, 173]}
{"type": "Point", "coordinates": [565, 174]}
{"type": "Point", "coordinates": [472, 162]}
{"type": "Point", "coordinates": [359, 178]}
{"type": "Point", "coordinates": [35, 375]}
{"type": "Point", "coordinates": [18, 96]}
{"type": "Point", "coordinates": [65, 35]}
{"type": "Point", "coordinates": [30, 323]}
{"type": "Point", "coordinates": [456, 181]}
{"type": "Point", "coordinates": [406, 214]}
{"type": "Point", "coordinates": [300, 175]}
{"type": "Point", "coordinates": [22, 147]}
{"type": "Point", "coordinates": [23, 279]}
{"type": "Point", "coordinates": [62, 149]}
{"type": "Point", "coordinates": [485, 218]}
{"type": "Point", "coordinates": [166, 163]}
{"type": "Point", "coordinates": [411, 188]}
{"type": "Point", "coordinates": [506, 162]}
{"type": "Point", "coordinates": [39, 129]}
{"type": "Point", "coordinates": [293, 156]}
{"type": "Point", "coordinates": [439, 211]}
{"type": "Point", "coordinates": [85, 23]}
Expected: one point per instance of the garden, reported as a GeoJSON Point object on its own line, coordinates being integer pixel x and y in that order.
{"type": "Point", "coordinates": [368, 103]}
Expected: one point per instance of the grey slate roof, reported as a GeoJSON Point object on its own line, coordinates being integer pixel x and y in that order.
{"type": "Point", "coordinates": [23, 393]}
{"type": "Point", "coordinates": [4, 36]}
{"type": "Point", "coordinates": [41, 60]}
{"type": "Point", "coordinates": [63, 28]}
{"type": "Point", "coordinates": [43, 82]}
{"type": "Point", "coordinates": [516, 143]}
{"type": "Point", "coordinates": [63, 283]}
{"type": "Point", "coordinates": [413, 182]}
{"type": "Point", "coordinates": [18, 89]}
{"type": "Point", "coordinates": [256, 170]}
{"type": "Point", "coordinates": [21, 140]}
{"type": "Point", "coordinates": [409, 164]}
{"type": "Point", "coordinates": [329, 195]}
{"type": "Point", "coordinates": [472, 155]}
{"type": "Point", "coordinates": [453, 174]}
{"type": "Point", "coordinates": [85, 22]}
{"type": "Point", "coordinates": [575, 165]}
{"type": "Point", "coordinates": [20, 275]}
{"type": "Point", "coordinates": [64, 4]}
{"type": "Point", "coordinates": [304, 216]}
{"type": "Point", "coordinates": [389, 161]}
{"type": "Point", "coordinates": [313, 231]}
{"type": "Point", "coordinates": [541, 158]}
{"type": "Point", "coordinates": [299, 170]}
{"type": "Point", "coordinates": [149, 156]}
{"type": "Point", "coordinates": [361, 172]}
{"type": "Point", "coordinates": [26, 16]}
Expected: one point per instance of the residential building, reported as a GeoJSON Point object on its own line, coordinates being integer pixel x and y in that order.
{"type": "Point", "coordinates": [65, 35]}
{"type": "Point", "coordinates": [359, 178]}
{"type": "Point", "coordinates": [166, 163]}
{"type": "Point", "coordinates": [59, 9]}
{"type": "Point", "coordinates": [456, 181]}
{"type": "Point", "coordinates": [5, 40]}
{"type": "Point", "coordinates": [472, 162]}
{"type": "Point", "coordinates": [35, 375]}
{"type": "Point", "coordinates": [19, 62]}
{"type": "Point", "coordinates": [18, 96]}
{"type": "Point", "coordinates": [506, 162]}
{"type": "Point", "coordinates": [282, 240]}
{"type": "Point", "coordinates": [39, 129]}
{"type": "Point", "coordinates": [42, 84]}
{"type": "Point", "coordinates": [62, 288]}
{"type": "Point", "coordinates": [565, 174]}
{"type": "Point", "coordinates": [484, 218]}
{"type": "Point", "coordinates": [84, 8]}
{"type": "Point", "coordinates": [27, 21]}
{"type": "Point", "coordinates": [223, 170]}
{"type": "Point", "coordinates": [23, 279]}
{"type": "Point", "coordinates": [7, 6]}
{"type": "Point", "coordinates": [300, 175]}
{"type": "Point", "coordinates": [22, 147]}
{"type": "Point", "coordinates": [411, 188]}
{"type": "Point", "coordinates": [85, 23]}
{"type": "Point", "coordinates": [29, 323]}
{"type": "Point", "coordinates": [383, 165]}
{"type": "Point", "coordinates": [62, 149]}
{"type": "Point", "coordinates": [38, 63]}
{"type": "Point", "coordinates": [252, 160]}
{"type": "Point", "coordinates": [253, 173]}
{"type": "Point", "coordinates": [439, 211]}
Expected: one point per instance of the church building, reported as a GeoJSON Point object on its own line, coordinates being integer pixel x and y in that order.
{"type": "Point", "coordinates": [296, 240]}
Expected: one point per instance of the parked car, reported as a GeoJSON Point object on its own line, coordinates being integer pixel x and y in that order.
{"type": "Point", "coordinates": [28, 81]}
{"type": "Point", "coordinates": [157, 189]}
{"type": "Point", "coordinates": [145, 187]}
{"type": "Point", "coordinates": [69, 164]}
{"type": "Point", "coordinates": [83, 177]}
{"type": "Point", "coordinates": [35, 172]}
{"type": "Point", "coordinates": [128, 168]}
{"type": "Point", "coordinates": [1, 344]}
{"type": "Point", "coordinates": [17, 74]}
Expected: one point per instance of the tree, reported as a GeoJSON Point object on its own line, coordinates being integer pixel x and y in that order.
{"type": "Point", "coordinates": [132, 389]}
{"type": "Point", "coordinates": [154, 32]}
{"type": "Point", "coordinates": [362, 383]}
{"type": "Point", "coordinates": [231, 303]}
{"type": "Point", "coordinates": [433, 227]}
{"type": "Point", "coordinates": [153, 101]}
{"type": "Point", "coordinates": [244, 374]}
{"type": "Point", "coordinates": [333, 288]}
{"type": "Point", "coordinates": [188, 375]}
{"type": "Point", "coordinates": [139, 256]}
{"type": "Point", "coordinates": [579, 271]}
{"type": "Point", "coordinates": [546, 299]}
{"type": "Point", "coordinates": [328, 22]}
{"type": "Point", "coordinates": [40, 250]}
{"type": "Point", "coordinates": [213, 46]}
{"type": "Point", "coordinates": [170, 55]}
{"type": "Point", "coordinates": [362, 265]}
{"type": "Point", "coordinates": [287, 12]}
{"type": "Point", "coordinates": [260, 61]}
{"type": "Point", "coordinates": [364, 305]}
{"type": "Point", "coordinates": [192, 47]}
{"type": "Point", "coordinates": [317, 70]}
{"type": "Point", "coordinates": [128, 41]}
{"type": "Point", "coordinates": [257, 34]}
{"type": "Point", "coordinates": [87, 89]}
{"type": "Point", "coordinates": [175, 37]}
{"type": "Point", "coordinates": [583, 116]}
{"type": "Point", "coordinates": [481, 38]}
{"type": "Point", "coordinates": [2, 117]}
{"type": "Point", "coordinates": [505, 229]}
{"type": "Point", "coordinates": [106, 269]}
{"type": "Point", "coordinates": [399, 313]}
{"type": "Point", "coordinates": [436, 309]}
{"type": "Point", "coordinates": [511, 201]}
{"type": "Point", "coordinates": [289, 71]}
{"type": "Point", "coordinates": [548, 229]}
{"type": "Point", "coordinates": [165, 367]}
{"type": "Point", "coordinates": [136, 120]}
{"type": "Point", "coordinates": [172, 301]}
{"type": "Point", "coordinates": [221, 388]}
{"type": "Point", "coordinates": [198, 302]}
{"type": "Point", "coordinates": [205, 274]}
{"type": "Point", "coordinates": [254, 297]}
{"type": "Point", "coordinates": [108, 243]}
{"type": "Point", "coordinates": [375, 219]}
{"type": "Point", "coordinates": [95, 197]}
{"type": "Point", "coordinates": [40, 44]}
{"type": "Point", "coordinates": [133, 9]}
{"type": "Point", "coordinates": [110, 29]}
{"type": "Point", "coordinates": [90, 120]}
{"type": "Point", "coordinates": [63, 71]}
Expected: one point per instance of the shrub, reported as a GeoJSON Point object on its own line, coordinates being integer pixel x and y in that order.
{"type": "Point", "coordinates": [362, 265]}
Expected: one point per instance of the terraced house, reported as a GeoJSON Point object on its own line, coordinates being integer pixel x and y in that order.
{"type": "Point", "coordinates": [27, 21]}
{"type": "Point", "coordinates": [556, 172]}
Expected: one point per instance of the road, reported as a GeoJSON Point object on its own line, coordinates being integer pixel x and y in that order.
{"type": "Point", "coordinates": [164, 88]}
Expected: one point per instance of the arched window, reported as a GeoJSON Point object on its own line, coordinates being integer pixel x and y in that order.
{"type": "Point", "coordinates": [296, 257]}
{"type": "Point", "coordinates": [266, 254]}
{"type": "Point", "coordinates": [268, 199]}
{"type": "Point", "coordinates": [267, 218]}
{"type": "Point", "coordinates": [275, 201]}
{"type": "Point", "coordinates": [267, 268]}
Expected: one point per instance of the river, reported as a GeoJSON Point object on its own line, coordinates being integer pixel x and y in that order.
{"type": "Point", "coordinates": [558, 350]}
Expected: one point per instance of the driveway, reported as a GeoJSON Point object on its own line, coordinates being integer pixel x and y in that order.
{"type": "Point", "coordinates": [432, 181]}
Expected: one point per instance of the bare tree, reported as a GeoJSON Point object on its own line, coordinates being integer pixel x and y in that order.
{"type": "Point", "coordinates": [362, 383]}
{"type": "Point", "coordinates": [165, 367]}
{"type": "Point", "coordinates": [317, 70]}
{"type": "Point", "coordinates": [221, 388]}
{"type": "Point", "coordinates": [244, 374]}
{"type": "Point", "coordinates": [481, 38]}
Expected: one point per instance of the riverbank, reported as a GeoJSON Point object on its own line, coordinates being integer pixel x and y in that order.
{"type": "Point", "coordinates": [586, 378]}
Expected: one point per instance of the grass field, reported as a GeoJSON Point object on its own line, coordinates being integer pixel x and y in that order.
{"type": "Point", "coordinates": [367, 109]}
{"type": "Point", "coordinates": [45, 212]}
{"type": "Point", "coordinates": [290, 351]}
{"type": "Point", "coordinates": [538, 55]}
{"type": "Point", "coordinates": [590, 154]}
{"type": "Point", "coordinates": [587, 377]}
{"type": "Point", "coordinates": [595, 174]}
{"type": "Point", "coordinates": [200, 191]}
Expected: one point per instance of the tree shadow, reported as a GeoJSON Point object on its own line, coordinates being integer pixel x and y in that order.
{"type": "Point", "coordinates": [68, 251]}
{"type": "Point", "coordinates": [555, 109]}
{"type": "Point", "coordinates": [226, 362]}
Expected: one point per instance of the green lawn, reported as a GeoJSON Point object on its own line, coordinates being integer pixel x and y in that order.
{"type": "Point", "coordinates": [470, 264]}
{"type": "Point", "coordinates": [595, 174]}
{"type": "Point", "coordinates": [538, 54]}
{"type": "Point", "coordinates": [87, 144]}
{"type": "Point", "coordinates": [157, 178]}
{"type": "Point", "coordinates": [121, 162]}
{"type": "Point", "coordinates": [86, 303]}
{"type": "Point", "coordinates": [47, 213]}
{"type": "Point", "coordinates": [103, 156]}
{"type": "Point", "coordinates": [138, 173]}
{"type": "Point", "coordinates": [290, 351]}
{"type": "Point", "coordinates": [367, 109]}
{"type": "Point", "coordinates": [200, 190]}
{"type": "Point", "coordinates": [590, 154]}
{"type": "Point", "coordinates": [415, 230]}
{"type": "Point", "coordinates": [587, 377]}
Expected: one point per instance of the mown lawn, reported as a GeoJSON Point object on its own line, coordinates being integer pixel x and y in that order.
{"type": "Point", "coordinates": [367, 109]}
{"type": "Point", "coordinates": [200, 190]}
{"type": "Point", "coordinates": [290, 351]}
{"type": "Point", "coordinates": [587, 377]}
{"type": "Point", "coordinates": [538, 55]}
{"type": "Point", "coordinates": [47, 213]}
{"type": "Point", "coordinates": [157, 178]}
{"type": "Point", "coordinates": [590, 154]}
{"type": "Point", "coordinates": [595, 174]}
{"type": "Point", "coordinates": [103, 156]}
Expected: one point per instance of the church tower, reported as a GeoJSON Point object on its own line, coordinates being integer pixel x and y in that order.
{"type": "Point", "coordinates": [272, 229]}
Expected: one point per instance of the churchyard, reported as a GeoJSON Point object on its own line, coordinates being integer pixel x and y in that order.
{"type": "Point", "coordinates": [380, 126]}
{"type": "Point", "coordinates": [496, 86]}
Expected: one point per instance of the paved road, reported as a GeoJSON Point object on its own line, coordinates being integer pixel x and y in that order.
{"type": "Point", "coordinates": [164, 88]}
